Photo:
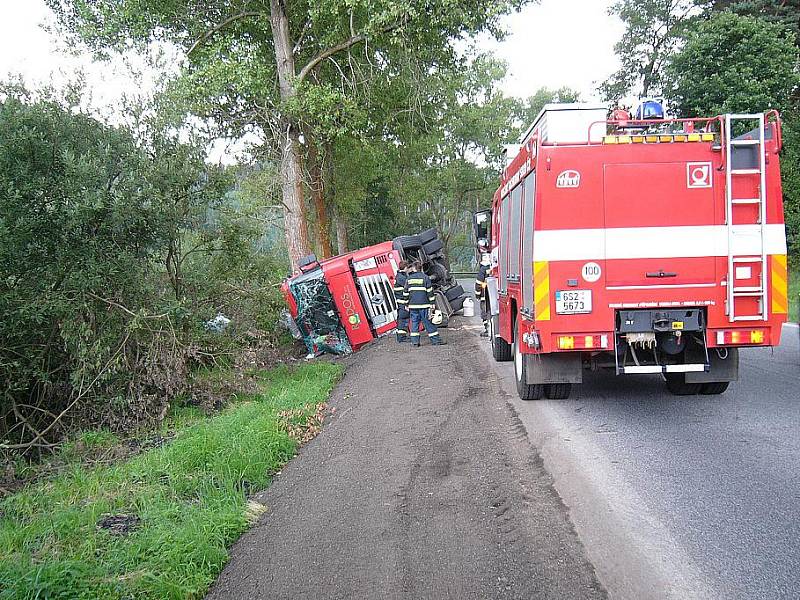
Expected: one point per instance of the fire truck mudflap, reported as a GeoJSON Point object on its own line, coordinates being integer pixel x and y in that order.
{"type": "Point", "coordinates": [653, 250]}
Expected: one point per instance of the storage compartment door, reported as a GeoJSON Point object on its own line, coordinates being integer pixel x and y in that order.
{"type": "Point", "coordinates": [528, 203]}
{"type": "Point", "coordinates": [659, 225]}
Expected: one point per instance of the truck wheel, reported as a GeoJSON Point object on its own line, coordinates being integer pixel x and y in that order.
{"type": "Point", "coordinates": [526, 391]}
{"type": "Point", "coordinates": [457, 304]}
{"type": "Point", "coordinates": [715, 387]}
{"type": "Point", "coordinates": [454, 292]}
{"type": "Point", "coordinates": [431, 248]}
{"type": "Point", "coordinates": [437, 272]}
{"type": "Point", "coordinates": [428, 235]}
{"type": "Point", "coordinates": [407, 242]}
{"type": "Point", "coordinates": [557, 391]}
{"type": "Point", "coordinates": [501, 350]}
{"type": "Point", "coordinates": [676, 384]}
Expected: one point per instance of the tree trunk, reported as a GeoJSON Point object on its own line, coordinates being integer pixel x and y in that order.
{"type": "Point", "coordinates": [323, 226]}
{"type": "Point", "coordinates": [341, 231]}
{"type": "Point", "coordinates": [295, 225]}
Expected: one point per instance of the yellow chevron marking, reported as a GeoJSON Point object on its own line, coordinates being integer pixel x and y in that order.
{"type": "Point", "coordinates": [541, 290]}
{"type": "Point", "coordinates": [780, 304]}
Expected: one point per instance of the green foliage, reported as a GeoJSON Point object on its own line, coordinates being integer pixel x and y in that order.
{"type": "Point", "coordinates": [732, 63]}
{"type": "Point", "coordinates": [653, 31]}
{"type": "Point", "coordinates": [116, 243]}
{"type": "Point", "coordinates": [784, 12]}
{"type": "Point", "coordinates": [534, 105]}
{"type": "Point", "coordinates": [190, 497]}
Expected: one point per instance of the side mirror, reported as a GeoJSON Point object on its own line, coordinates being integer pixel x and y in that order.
{"type": "Point", "coordinates": [482, 226]}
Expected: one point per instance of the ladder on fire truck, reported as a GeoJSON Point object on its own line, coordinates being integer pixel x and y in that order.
{"type": "Point", "coordinates": [756, 255]}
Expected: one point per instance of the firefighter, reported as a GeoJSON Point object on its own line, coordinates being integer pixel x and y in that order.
{"type": "Point", "coordinates": [419, 294]}
{"type": "Point", "coordinates": [402, 302]}
{"type": "Point", "coordinates": [480, 291]}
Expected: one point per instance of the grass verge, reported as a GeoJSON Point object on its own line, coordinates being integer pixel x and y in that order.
{"type": "Point", "coordinates": [159, 525]}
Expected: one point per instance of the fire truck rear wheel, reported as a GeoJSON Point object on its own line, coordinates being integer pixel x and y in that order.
{"type": "Point", "coordinates": [501, 350]}
{"type": "Point", "coordinates": [525, 390]}
{"type": "Point", "coordinates": [715, 387]}
{"type": "Point", "coordinates": [557, 391]}
{"type": "Point", "coordinates": [677, 385]}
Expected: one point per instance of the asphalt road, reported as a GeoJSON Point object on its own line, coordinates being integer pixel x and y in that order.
{"type": "Point", "coordinates": [681, 497]}
{"type": "Point", "coordinates": [422, 484]}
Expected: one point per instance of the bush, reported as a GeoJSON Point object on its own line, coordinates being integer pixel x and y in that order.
{"type": "Point", "coordinates": [115, 248]}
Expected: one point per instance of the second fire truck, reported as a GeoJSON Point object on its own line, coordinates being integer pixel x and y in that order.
{"type": "Point", "coordinates": [639, 246]}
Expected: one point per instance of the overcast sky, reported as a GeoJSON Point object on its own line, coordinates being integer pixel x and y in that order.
{"type": "Point", "coordinates": [558, 42]}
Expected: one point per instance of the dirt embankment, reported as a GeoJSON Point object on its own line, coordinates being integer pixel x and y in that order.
{"type": "Point", "coordinates": [423, 484]}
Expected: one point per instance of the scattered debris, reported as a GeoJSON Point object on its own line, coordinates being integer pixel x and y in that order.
{"type": "Point", "coordinates": [253, 511]}
{"type": "Point", "coordinates": [300, 425]}
{"type": "Point", "coordinates": [218, 324]}
{"type": "Point", "coordinates": [120, 524]}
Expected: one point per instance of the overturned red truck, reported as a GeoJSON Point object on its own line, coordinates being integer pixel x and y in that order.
{"type": "Point", "coordinates": [341, 303]}
{"type": "Point", "coordinates": [640, 246]}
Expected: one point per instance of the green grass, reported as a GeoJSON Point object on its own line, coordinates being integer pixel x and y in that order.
{"type": "Point", "coordinates": [190, 497]}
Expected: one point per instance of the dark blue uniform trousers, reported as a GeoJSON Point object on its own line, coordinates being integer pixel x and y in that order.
{"type": "Point", "coordinates": [420, 315]}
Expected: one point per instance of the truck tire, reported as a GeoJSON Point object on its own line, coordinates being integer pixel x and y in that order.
{"type": "Point", "coordinates": [432, 248]}
{"type": "Point", "coordinates": [443, 304]}
{"type": "Point", "coordinates": [454, 292]}
{"type": "Point", "coordinates": [407, 242]}
{"type": "Point", "coordinates": [715, 387]}
{"type": "Point", "coordinates": [458, 304]}
{"type": "Point", "coordinates": [437, 272]}
{"type": "Point", "coordinates": [676, 384]}
{"type": "Point", "coordinates": [525, 390]}
{"type": "Point", "coordinates": [501, 349]}
{"type": "Point", "coordinates": [428, 235]}
{"type": "Point", "coordinates": [557, 391]}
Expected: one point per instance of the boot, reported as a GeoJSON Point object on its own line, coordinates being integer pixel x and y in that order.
{"type": "Point", "coordinates": [401, 337]}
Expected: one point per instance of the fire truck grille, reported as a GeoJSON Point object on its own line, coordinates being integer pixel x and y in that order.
{"type": "Point", "coordinates": [378, 296]}
{"type": "Point", "coordinates": [380, 259]}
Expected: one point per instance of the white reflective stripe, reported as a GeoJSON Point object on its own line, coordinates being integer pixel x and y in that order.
{"type": "Point", "coordinates": [685, 368]}
{"type": "Point", "coordinates": [689, 241]}
{"type": "Point", "coordinates": [698, 368]}
{"type": "Point", "coordinates": [661, 287]}
{"type": "Point", "coordinates": [637, 370]}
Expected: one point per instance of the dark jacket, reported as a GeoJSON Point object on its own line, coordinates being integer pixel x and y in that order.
{"type": "Point", "coordinates": [399, 288]}
{"type": "Point", "coordinates": [480, 280]}
{"type": "Point", "coordinates": [419, 291]}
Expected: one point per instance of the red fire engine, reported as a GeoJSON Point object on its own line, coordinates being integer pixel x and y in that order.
{"type": "Point", "coordinates": [341, 303]}
{"type": "Point", "coordinates": [644, 247]}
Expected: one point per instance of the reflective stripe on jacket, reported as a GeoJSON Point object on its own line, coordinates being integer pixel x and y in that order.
{"type": "Point", "coordinates": [419, 291]}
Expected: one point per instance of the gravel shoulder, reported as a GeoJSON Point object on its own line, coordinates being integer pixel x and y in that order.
{"type": "Point", "coordinates": [423, 484]}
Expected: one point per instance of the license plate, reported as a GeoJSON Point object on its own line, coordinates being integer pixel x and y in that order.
{"type": "Point", "coordinates": [572, 302]}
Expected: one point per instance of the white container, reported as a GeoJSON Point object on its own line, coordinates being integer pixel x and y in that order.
{"type": "Point", "coordinates": [469, 307]}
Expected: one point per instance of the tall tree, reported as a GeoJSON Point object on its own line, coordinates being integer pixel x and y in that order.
{"type": "Point", "coordinates": [785, 12]}
{"type": "Point", "coordinates": [231, 43]}
{"type": "Point", "coordinates": [732, 63]}
{"type": "Point", "coordinates": [737, 64]}
{"type": "Point", "coordinates": [653, 31]}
